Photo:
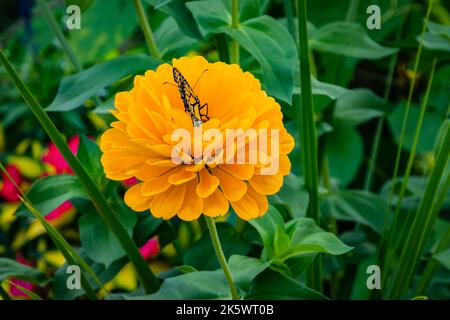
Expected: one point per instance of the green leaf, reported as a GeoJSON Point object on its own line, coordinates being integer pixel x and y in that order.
{"type": "Point", "coordinates": [357, 206]}
{"type": "Point", "coordinates": [83, 4]}
{"type": "Point", "coordinates": [358, 106]}
{"type": "Point", "coordinates": [245, 269]}
{"type": "Point", "coordinates": [201, 254]}
{"type": "Point", "coordinates": [267, 226]}
{"type": "Point", "coordinates": [75, 89]}
{"type": "Point", "coordinates": [11, 268]}
{"type": "Point", "coordinates": [193, 285]}
{"type": "Point", "coordinates": [293, 196]}
{"type": "Point", "coordinates": [98, 240]}
{"type": "Point", "coordinates": [89, 155]}
{"type": "Point", "coordinates": [263, 37]}
{"type": "Point", "coordinates": [274, 49]}
{"type": "Point", "coordinates": [105, 26]}
{"type": "Point", "coordinates": [443, 258]}
{"type": "Point", "coordinates": [47, 193]}
{"type": "Point", "coordinates": [345, 153]}
{"type": "Point", "coordinates": [271, 285]}
{"type": "Point", "coordinates": [60, 290]}
{"type": "Point", "coordinates": [306, 237]}
{"type": "Point", "coordinates": [171, 41]}
{"type": "Point", "coordinates": [349, 39]}
{"type": "Point", "coordinates": [430, 128]}
{"type": "Point", "coordinates": [179, 11]}
{"type": "Point", "coordinates": [438, 37]}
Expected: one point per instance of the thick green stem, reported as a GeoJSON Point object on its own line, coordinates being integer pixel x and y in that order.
{"type": "Point", "coordinates": [147, 278]}
{"type": "Point", "coordinates": [234, 45]}
{"type": "Point", "coordinates": [221, 257]}
{"type": "Point", "coordinates": [47, 13]}
{"type": "Point", "coordinates": [146, 29]}
{"type": "Point", "coordinates": [308, 138]}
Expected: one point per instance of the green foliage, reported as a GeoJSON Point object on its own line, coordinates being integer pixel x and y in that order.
{"type": "Point", "coordinates": [345, 205]}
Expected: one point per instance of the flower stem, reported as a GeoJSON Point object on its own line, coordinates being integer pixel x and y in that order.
{"type": "Point", "coordinates": [308, 139]}
{"type": "Point", "coordinates": [146, 29]}
{"type": "Point", "coordinates": [234, 47]}
{"type": "Point", "coordinates": [220, 256]}
{"type": "Point", "coordinates": [53, 24]}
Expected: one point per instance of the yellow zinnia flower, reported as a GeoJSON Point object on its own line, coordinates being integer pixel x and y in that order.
{"type": "Point", "coordinates": [141, 143]}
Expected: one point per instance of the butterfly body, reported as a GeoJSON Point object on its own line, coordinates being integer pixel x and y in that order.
{"type": "Point", "coordinates": [191, 102]}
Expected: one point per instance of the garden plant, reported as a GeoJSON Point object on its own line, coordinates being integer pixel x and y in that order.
{"type": "Point", "coordinates": [225, 149]}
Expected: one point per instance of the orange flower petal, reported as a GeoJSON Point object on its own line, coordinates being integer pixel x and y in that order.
{"type": "Point", "coordinates": [216, 204]}
{"type": "Point", "coordinates": [208, 184]}
{"type": "Point", "coordinates": [192, 205]}
{"type": "Point", "coordinates": [233, 188]}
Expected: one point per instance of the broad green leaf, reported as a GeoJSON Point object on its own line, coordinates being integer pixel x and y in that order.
{"type": "Point", "coordinates": [210, 15]}
{"type": "Point", "coordinates": [59, 284]}
{"type": "Point", "coordinates": [274, 49]}
{"type": "Point", "coordinates": [440, 89]}
{"type": "Point", "coordinates": [75, 89]}
{"type": "Point", "coordinates": [345, 153]}
{"type": "Point", "coordinates": [306, 237]}
{"type": "Point", "coordinates": [98, 241]}
{"type": "Point", "coordinates": [263, 37]}
{"type": "Point", "coordinates": [293, 196]}
{"type": "Point", "coordinates": [358, 106]}
{"type": "Point", "coordinates": [193, 285]}
{"type": "Point", "coordinates": [271, 285]}
{"type": "Point", "coordinates": [349, 39]}
{"type": "Point", "coordinates": [105, 26]}
{"type": "Point", "coordinates": [245, 269]}
{"type": "Point", "coordinates": [179, 11]}
{"type": "Point", "coordinates": [267, 226]}
{"type": "Point", "coordinates": [440, 29]}
{"type": "Point", "coordinates": [430, 127]}
{"type": "Point", "coordinates": [47, 193]}
{"type": "Point", "coordinates": [443, 258]}
{"type": "Point", "coordinates": [83, 4]}
{"type": "Point", "coordinates": [435, 42]}
{"type": "Point", "coordinates": [357, 206]}
{"type": "Point", "coordinates": [11, 268]}
{"type": "Point", "coordinates": [438, 37]}
{"type": "Point", "coordinates": [89, 155]}
{"type": "Point", "coordinates": [171, 41]}
{"type": "Point", "coordinates": [201, 254]}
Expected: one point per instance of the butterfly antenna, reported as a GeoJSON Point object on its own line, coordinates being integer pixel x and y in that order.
{"type": "Point", "coordinates": [172, 84]}
{"type": "Point", "coordinates": [199, 78]}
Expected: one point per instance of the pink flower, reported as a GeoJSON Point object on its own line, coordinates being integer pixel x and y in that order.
{"type": "Point", "coordinates": [150, 249]}
{"type": "Point", "coordinates": [7, 189]}
{"type": "Point", "coordinates": [130, 182]}
{"type": "Point", "coordinates": [14, 291]}
{"type": "Point", "coordinates": [55, 158]}
{"type": "Point", "coordinates": [59, 211]}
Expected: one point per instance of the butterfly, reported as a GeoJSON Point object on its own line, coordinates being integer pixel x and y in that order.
{"type": "Point", "coordinates": [192, 104]}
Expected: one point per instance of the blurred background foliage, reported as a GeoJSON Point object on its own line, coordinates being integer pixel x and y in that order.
{"type": "Point", "coordinates": [351, 67]}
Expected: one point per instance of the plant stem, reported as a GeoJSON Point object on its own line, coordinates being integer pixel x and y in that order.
{"type": "Point", "coordinates": [426, 216]}
{"type": "Point", "coordinates": [3, 293]}
{"type": "Point", "coordinates": [234, 46]}
{"type": "Point", "coordinates": [393, 243]}
{"type": "Point", "coordinates": [146, 29]}
{"type": "Point", "coordinates": [53, 24]}
{"type": "Point", "coordinates": [147, 278]}
{"type": "Point", "coordinates": [308, 138]}
{"type": "Point", "coordinates": [379, 129]}
{"type": "Point", "coordinates": [221, 257]}
{"type": "Point", "coordinates": [432, 264]}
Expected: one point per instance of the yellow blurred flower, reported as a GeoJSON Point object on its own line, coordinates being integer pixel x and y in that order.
{"type": "Point", "coordinates": [141, 143]}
